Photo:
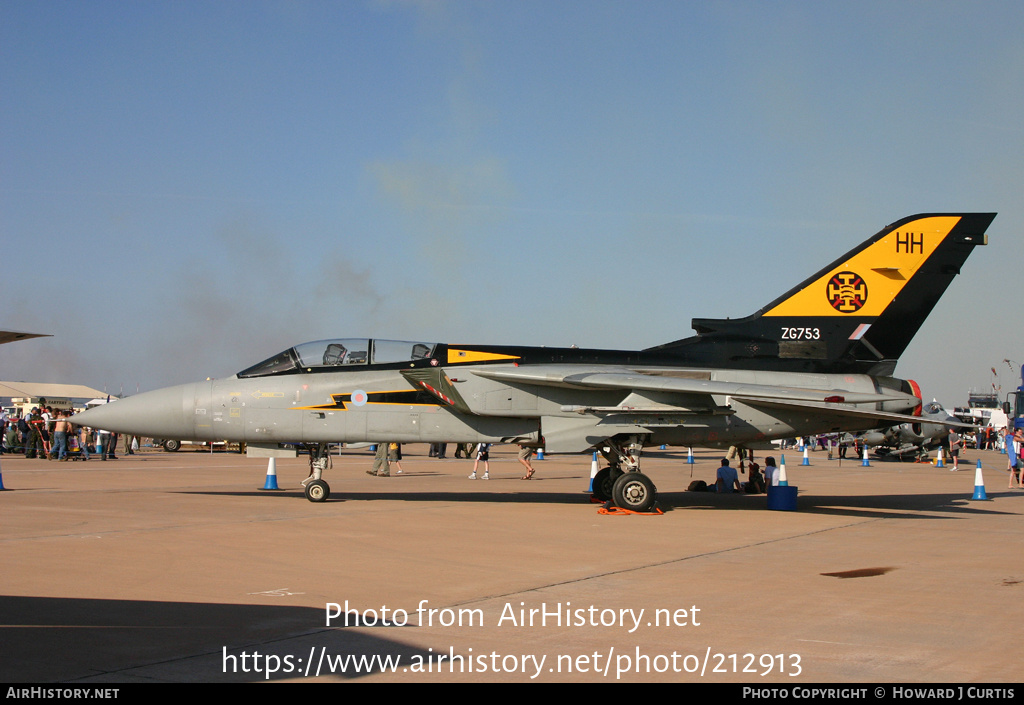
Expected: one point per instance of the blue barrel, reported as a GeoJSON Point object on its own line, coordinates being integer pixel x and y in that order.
{"type": "Point", "coordinates": [782, 498]}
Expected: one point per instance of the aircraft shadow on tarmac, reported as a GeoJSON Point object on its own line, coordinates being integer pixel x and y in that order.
{"type": "Point", "coordinates": [919, 506]}
{"type": "Point", "coordinates": [509, 497]}
{"type": "Point", "coordinates": [47, 639]}
{"type": "Point", "coordinates": [864, 506]}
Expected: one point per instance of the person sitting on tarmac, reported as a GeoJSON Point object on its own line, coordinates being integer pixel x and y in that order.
{"type": "Point", "coordinates": [726, 479]}
{"type": "Point", "coordinates": [756, 483]}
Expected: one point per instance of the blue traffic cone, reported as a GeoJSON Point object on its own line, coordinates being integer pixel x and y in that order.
{"type": "Point", "coordinates": [865, 463]}
{"type": "Point", "coordinates": [689, 456]}
{"type": "Point", "coordinates": [979, 484]}
{"type": "Point", "coordinates": [593, 472]}
{"type": "Point", "coordinates": [271, 483]}
{"type": "Point", "coordinates": [807, 459]}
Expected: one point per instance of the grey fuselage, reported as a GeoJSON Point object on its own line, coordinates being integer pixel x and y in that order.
{"type": "Point", "coordinates": [369, 403]}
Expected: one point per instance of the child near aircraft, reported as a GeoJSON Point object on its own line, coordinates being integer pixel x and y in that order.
{"type": "Point", "coordinates": [482, 454]}
{"type": "Point", "coordinates": [395, 455]}
{"type": "Point", "coordinates": [755, 485]}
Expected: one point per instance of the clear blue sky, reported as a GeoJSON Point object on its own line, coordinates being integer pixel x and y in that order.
{"type": "Point", "coordinates": [189, 187]}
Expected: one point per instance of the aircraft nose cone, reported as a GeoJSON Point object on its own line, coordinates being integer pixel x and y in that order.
{"type": "Point", "coordinates": [163, 413]}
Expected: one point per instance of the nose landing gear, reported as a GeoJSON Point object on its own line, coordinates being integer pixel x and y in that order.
{"type": "Point", "coordinates": [621, 482]}
{"type": "Point", "coordinates": [317, 490]}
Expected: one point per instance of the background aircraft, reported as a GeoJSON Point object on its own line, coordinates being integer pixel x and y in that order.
{"type": "Point", "coordinates": [10, 336]}
{"type": "Point", "coordinates": [818, 359]}
{"type": "Point", "coordinates": [912, 440]}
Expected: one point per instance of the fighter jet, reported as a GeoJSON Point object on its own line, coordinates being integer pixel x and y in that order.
{"type": "Point", "coordinates": [912, 440]}
{"type": "Point", "coordinates": [818, 359]}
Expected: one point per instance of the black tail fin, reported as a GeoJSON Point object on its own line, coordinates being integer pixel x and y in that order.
{"type": "Point", "coordinates": [858, 314]}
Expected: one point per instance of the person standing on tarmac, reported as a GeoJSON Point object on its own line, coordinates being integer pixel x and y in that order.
{"type": "Point", "coordinates": [34, 447]}
{"type": "Point", "coordinates": [47, 417]}
{"type": "Point", "coordinates": [381, 467]}
{"type": "Point", "coordinates": [1012, 459]}
{"type": "Point", "coordinates": [61, 426]}
{"type": "Point", "coordinates": [395, 456]}
{"type": "Point", "coordinates": [83, 441]}
{"type": "Point", "coordinates": [955, 444]}
{"type": "Point", "coordinates": [108, 440]}
{"type": "Point", "coordinates": [524, 458]}
{"type": "Point", "coordinates": [483, 455]}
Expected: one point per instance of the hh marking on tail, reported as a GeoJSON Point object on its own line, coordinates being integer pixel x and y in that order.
{"type": "Point", "coordinates": [910, 242]}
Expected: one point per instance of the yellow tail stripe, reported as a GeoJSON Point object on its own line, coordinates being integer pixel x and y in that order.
{"type": "Point", "coordinates": [867, 283]}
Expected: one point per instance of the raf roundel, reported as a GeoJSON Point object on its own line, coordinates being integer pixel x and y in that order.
{"type": "Point", "coordinates": [359, 397]}
{"type": "Point", "coordinates": [847, 292]}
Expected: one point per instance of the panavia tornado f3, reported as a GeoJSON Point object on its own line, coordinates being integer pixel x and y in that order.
{"type": "Point", "coordinates": [818, 359]}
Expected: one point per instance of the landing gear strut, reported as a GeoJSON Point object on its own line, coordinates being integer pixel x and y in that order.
{"type": "Point", "coordinates": [622, 482]}
{"type": "Point", "coordinates": [317, 490]}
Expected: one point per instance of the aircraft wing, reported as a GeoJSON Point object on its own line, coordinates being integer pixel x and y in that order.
{"type": "Point", "coordinates": [9, 336]}
{"type": "Point", "coordinates": [626, 379]}
{"type": "Point", "coordinates": [656, 398]}
{"type": "Point", "coordinates": [837, 410]}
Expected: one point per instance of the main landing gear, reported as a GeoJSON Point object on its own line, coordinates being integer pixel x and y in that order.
{"type": "Point", "coordinates": [317, 490]}
{"type": "Point", "coordinates": [621, 482]}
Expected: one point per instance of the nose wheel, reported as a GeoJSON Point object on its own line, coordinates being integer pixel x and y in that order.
{"type": "Point", "coordinates": [318, 491]}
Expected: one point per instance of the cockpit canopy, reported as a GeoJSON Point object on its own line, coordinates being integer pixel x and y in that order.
{"type": "Point", "coordinates": [328, 355]}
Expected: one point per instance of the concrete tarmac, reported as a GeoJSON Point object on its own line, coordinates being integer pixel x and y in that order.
{"type": "Point", "coordinates": [177, 567]}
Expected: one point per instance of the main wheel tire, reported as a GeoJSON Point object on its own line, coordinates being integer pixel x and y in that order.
{"type": "Point", "coordinates": [634, 491]}
{"type": "Point", "coordinates": [604, 480]}
{"type": "Point", "coordinates": [318, 491]}
{"type": "Point", "coordinates": [172, 446]}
